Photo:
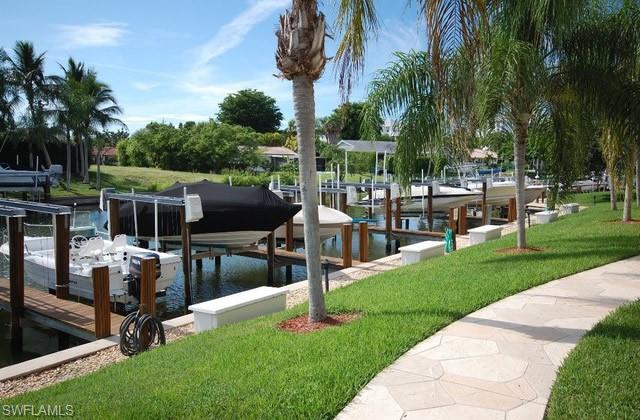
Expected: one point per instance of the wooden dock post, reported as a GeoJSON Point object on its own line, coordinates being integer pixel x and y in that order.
{"type": "Point", "coordinates": [369, 207]}
{"type": "Point", "coordinates": [271, 257]}
{"type": "Point", "coordinates": [347, 232]}
{"type": "Point", "coordinates": [343, 202]}
{"type": "Point", "coordinates": [148, 286]}
{"type": "Point", "coordinates": [387, 213]}
{"type": "Point", "coordinates": [288, 245]}
{"type": "Point", "coordinates": [16, 277]}
{"type": "Point", "coordinates": [185, 232]}
{"type": "Point", "coordinates": [511, 213]}
{"type": "Point", "coordinates": [398, 215]}
{"type": "Point", "coordinates": [61, 252]}
{"type": "Point", "coordinates": [114, 217]}
{"type": "Point", "coordinates": [430, 207]}
{"type": "Point", "coordinates": [462, 220]}
{"type": "Point", "coordinates": [217, 261]}
{"type": "Point", "coordinates": [364, 241]}
{"type": "Point", "coordinates": [100, 278]}
{"type": "Point", "coordinates": [484, 202]}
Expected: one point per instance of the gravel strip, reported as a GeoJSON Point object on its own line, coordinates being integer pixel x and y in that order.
{"type": "Point", "coordinates": [76, 368]}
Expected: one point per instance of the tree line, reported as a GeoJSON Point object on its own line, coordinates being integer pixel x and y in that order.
{"type": "Point", "coordinates": [73, 108]}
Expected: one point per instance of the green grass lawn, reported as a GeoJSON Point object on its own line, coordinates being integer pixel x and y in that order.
{"type": "Point", "coordinates": [254, 370]}
{"type": "Point", "coordinates": [601, 377]}
{"type": "Point", "coordinates": [126, 177]}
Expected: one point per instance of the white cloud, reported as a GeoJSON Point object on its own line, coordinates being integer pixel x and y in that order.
{"type": "Point", "coordinates": [233, 33]}
{"type": "Point", "coordinates": [144, 86]}
{"type": "Point", "coordinates": [105, 34]}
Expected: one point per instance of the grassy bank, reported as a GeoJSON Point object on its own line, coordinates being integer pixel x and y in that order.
{"type": "Point", "coordinates": [599, 379]}
{"type": "Point", "coordinates": [126, 177]}
{"type": "Point", "coordinates": [254, 370]}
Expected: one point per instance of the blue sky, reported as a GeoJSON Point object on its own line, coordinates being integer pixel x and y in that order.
{"type": "Point", "coordinates": [175, 61]}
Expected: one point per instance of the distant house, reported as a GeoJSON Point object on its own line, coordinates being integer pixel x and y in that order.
{"type": "Point", "coordinates": [483, 155]}
{"type": "Point", "coordinates": [389, 128]}
{"type": "Point", "coordinates": [277, 155]}
{"type": "Point", "coordinates": [109, 155]}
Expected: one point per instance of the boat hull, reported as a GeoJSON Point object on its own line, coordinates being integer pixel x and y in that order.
{"type": "Point", "coordinates": [331, 221]}
{"type": "Point", "coordinates": [236, 239]}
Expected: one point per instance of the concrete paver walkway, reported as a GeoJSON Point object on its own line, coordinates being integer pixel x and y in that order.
{"type": "Point", "coordinates": [501, 361]}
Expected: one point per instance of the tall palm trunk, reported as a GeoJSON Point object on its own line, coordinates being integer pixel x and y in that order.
{"type": "Point", "coordinates": [628, 198]}
{"type": "Point", "coordinates": [304, 110]}
{"type": "Point", "coordinates": [519, 149]}
{"type": "Point", "coordinates": [98, 160]}
{"type": "Point", "coordinates": [81, 155]}
{"type": "Point", "coordinates": [85, 178]}
{"type": "Point", "coordinates": [637, 178]}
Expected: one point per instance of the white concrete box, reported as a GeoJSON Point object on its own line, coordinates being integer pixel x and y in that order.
{"type": "Point", "coordinates": [484, 233]}
{"type": "Point", "coordinates": [238, 307]}
{"type": "Point", "coordinates": [414, 253]}
{"type": "Point", "coordinates": [546, 216]}
{"type": "Point", "coordinates": [571, 208]}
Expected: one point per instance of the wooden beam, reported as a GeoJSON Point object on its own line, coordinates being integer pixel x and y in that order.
{"type": "Point", "coordinates": [148, 286]}
{"type": "Point", "coordinates": [347, 258]}
{"type": "Point", "coordinates": [364, 241]}
{"type": "Point", "coordinates": [16, 272]}
{"type": "Point", "coordinates": [511, 212]}
{"type": "Point", "coordinates": [185, 231]}
{"type": "Point", "coordinates": [462, 220]}
{"type": "Point", "coordinates": [114, 217]}
{"type": "Point", "coordinates": [343, 202]}
{"type": "Point", "coordinates": [102, 312]}
{"type": "Point", "coordinates": [387, 213]}
{"type": "Point", "coordinates": [61, 253]}
{"type": "Point", "coordinates": [271, 256]}
{"type": "Point", "coordinates": [398, 215]}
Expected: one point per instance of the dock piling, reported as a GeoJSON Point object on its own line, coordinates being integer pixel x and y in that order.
{"type": "Point", "coordinates": [430, 207]}
{"type": "Point", "coordinates": [288, 245]}
{"type": "Point", "coordinates": [100, 278]}
{"type": "Point", "coordinates": [114, 217]}
{"type": "Point", "coordinates": [484, 202]}
{"type": "Point", "coordinates": [185, 232]}
{"type": "Point", "coordinates": [398, 215]}
{"type": "Point", "coordinates": [61, 250]}
{"type": "Point", "coordinates": [16, 277]}
{"type": "Point", "coordinates": [147, 295]}
{"type": "Point", "coordinates": [347, 232]}
{"type": "Point", "coordinates": [363, 246]}
{"type": "Point", "coordinates": [387, 213]}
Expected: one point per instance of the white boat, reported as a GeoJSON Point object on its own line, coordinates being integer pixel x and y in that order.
{"type": "Point", "coordinates": [585, 185]}
{"type": "Point", "coordinates": [39, 264]}
{"type": "Point", "coordinates": [444, 197]}
{"type": "Point", "coordinates": [230, 240]}
{"type": "Point", "coordinates": [500, 192]}
{"type": "Point", "coordinates": [17, 180]}
{"type": "Point", "coordinates": [331, 222]}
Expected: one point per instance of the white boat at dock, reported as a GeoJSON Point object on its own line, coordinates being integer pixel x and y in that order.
{"type": "Point", "coordinates": [331, 222]}
{"type": "Point", "coordinates": [444, 197]}
{"type": "Point", "coordinates": [39, 265]}
{"type": "Point", "coordinates": [500, 192]}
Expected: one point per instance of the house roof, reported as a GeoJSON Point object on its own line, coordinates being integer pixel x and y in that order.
{"type": "Point", "coordinates": [484, 153]}
{"type": "Point", "coordinates": [367, 146]}
{"type": "Point", "coordinates": [106, 151]}
{"type": "Point", "coordinates": [277, 151]}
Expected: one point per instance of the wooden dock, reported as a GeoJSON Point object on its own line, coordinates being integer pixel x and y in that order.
{"type": "Point", "coordinates": [67, 316]}
{"type": "Point", "coordinates": [283, 257]}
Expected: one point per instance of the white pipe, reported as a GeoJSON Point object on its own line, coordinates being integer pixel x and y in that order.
{"type": "Point", "coordinates": [278, 184]}
{"type": "Point", "coordinates": [346, 166]}
{"type": "Point", "coordinates": [422, 192]}
{"type": "Point", "coordinates": [373, 194]}
{"type": "Point", "coordinates": [320, 187]}
{"type": "Point", "coordinates": [135, 216]}
{"type": "Point", "coordinates": [375, 174]}
{"type": "Point", "coordinates": [230, 182]}
{"type": "Point", "coordinates": [155, 222]}
{"type": "Point", "coordinates": [384, 166]}
{"type": "Point", "coordinates": [338, 175]}
{"type": "Point", "coordinates": [108, 219]}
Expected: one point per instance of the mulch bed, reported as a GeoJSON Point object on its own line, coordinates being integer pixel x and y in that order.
{"type": "Point", "coordinates": [301, 324]}
{"type": "Point", "coordinates": [516, 250]}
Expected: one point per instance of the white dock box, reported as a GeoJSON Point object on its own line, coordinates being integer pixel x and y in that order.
{"type": "Point", "coordinates": [547, 216]}
{"type": "Point", "coordinates": [571, 208]}
{"type": "Point", "coordinates": [484, 233]}
{"type": "Point", "coordinates": [414, 253]}
{"type": "Point", "coordinates": [238, 307]}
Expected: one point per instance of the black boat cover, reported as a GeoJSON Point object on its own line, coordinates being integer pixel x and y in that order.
{"type": "Point", "coordinates": [225, 209]}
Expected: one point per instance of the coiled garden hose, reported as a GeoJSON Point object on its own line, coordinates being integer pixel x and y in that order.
{"type": "Point", "coordinates": [140, 331]}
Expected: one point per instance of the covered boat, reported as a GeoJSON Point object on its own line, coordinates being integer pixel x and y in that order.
{"type": "Point", "coordinates": [233, 217]}
{"type": "Point", "coordinates": [330, 220]}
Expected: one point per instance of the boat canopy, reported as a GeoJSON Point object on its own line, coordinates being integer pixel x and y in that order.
{"type": "Point", "coordinates": [225, 209]}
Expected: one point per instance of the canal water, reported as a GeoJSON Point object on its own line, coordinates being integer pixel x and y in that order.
{"type": "Point", "coordinates": [235, 274]}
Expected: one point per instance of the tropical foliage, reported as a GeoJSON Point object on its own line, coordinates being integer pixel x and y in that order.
{"type": "Point", "coordinates": [251, 108]}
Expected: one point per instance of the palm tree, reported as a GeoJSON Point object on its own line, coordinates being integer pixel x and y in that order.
{"type": "Point", "coordinates": [28, 73]}
{"type": "Point", "coordinates": [300, 58]}
{"type": "Point", "coordinates": [9, 98]}
{"type": "Point", "coordinates": [69, 103]}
